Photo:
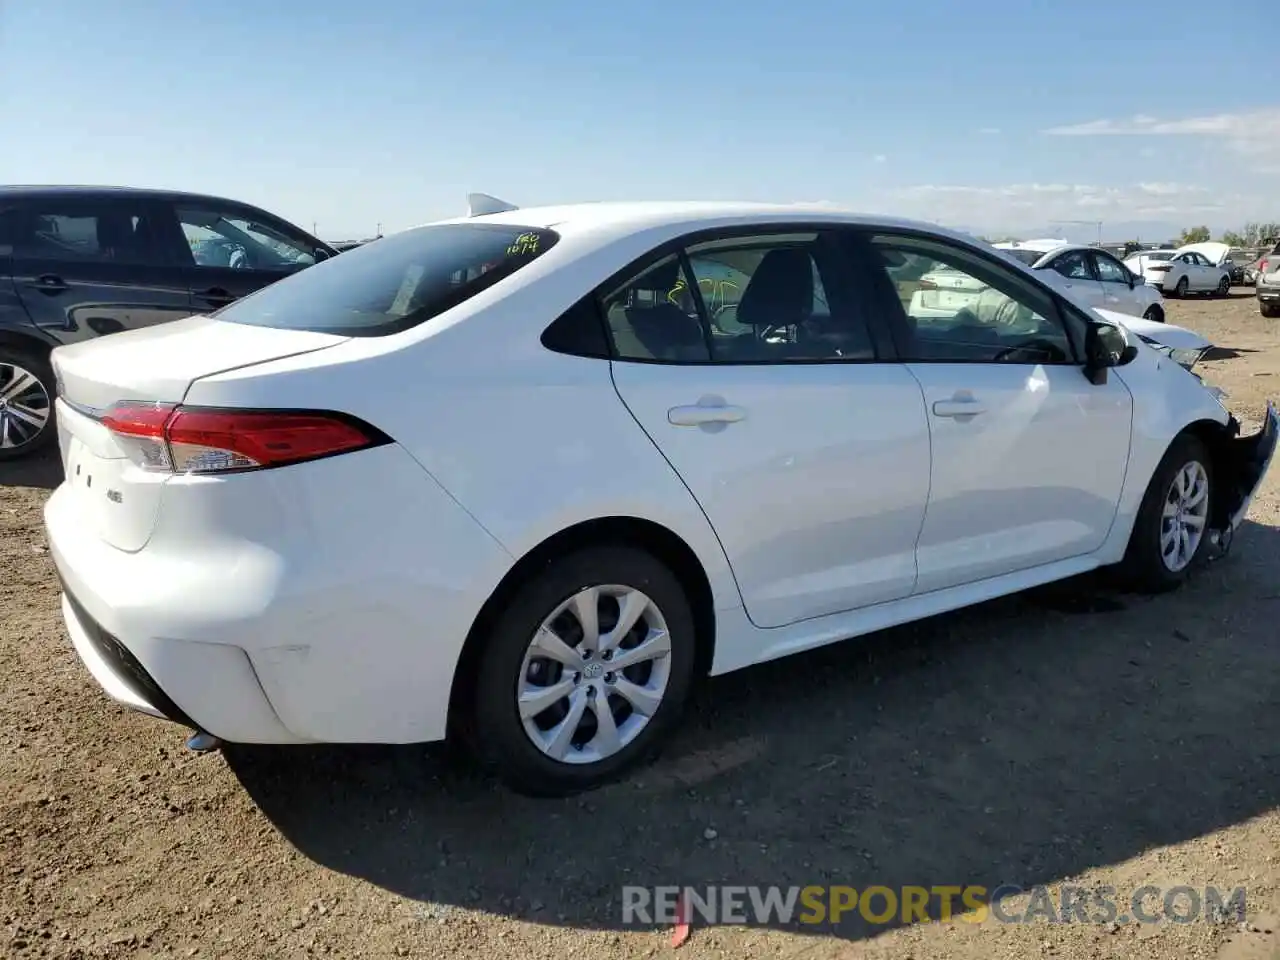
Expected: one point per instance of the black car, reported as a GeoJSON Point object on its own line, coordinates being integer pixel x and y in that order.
{"type": "Point", "coordinates": [80, 262]}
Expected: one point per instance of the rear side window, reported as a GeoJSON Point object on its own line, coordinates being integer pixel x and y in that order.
{"type": "Point", "coordinates": [73, 231]}
{"type": "Point", "coordinates": [396, 283]}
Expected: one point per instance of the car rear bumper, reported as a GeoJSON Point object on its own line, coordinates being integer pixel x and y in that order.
{"type": "Point", "coordinates": [204, 686]}
{"type": "Point", "coordinates": [1266, 291]}
{"type": "Point", "coordinates": [329, 605]}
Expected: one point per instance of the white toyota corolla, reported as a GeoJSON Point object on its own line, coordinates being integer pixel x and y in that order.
{"type": "Point", "coordinates": [527, 476]}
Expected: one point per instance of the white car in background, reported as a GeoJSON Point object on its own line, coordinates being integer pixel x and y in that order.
{"type": "Point", "coordinates": [503, 477]}
{"type": "Point", "coordinates": [1185, 270]}
{"type": "Point", "coordinates": [1091, 275]}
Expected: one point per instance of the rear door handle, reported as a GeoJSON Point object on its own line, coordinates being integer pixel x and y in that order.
{"type": "Point", "coordinates": [957, 409]}
{"type": "Point", "coordinates": [697, 415]}
{"type": "Point", "coordinates": [49, 283]}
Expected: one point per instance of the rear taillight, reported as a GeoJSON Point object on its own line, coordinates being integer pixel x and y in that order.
{"type": "Point", "coordinates": [176, 439]}
{"type": "Point", "coordinates": [1262, 267]}
{"type": "Point", "coordinates": [925, 284]}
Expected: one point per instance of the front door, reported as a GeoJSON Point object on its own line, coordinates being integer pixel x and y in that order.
{"type": "Point", "coordinates": [809, 457]}
{"type": "Point", "coordinates": [233, 251]}
{"type": "Point", "coordinates": [85, 266]}
{"type": "Point", "coordinates": [1117, 285]}
{"type": "Point", "coordinates": [1028, 455]}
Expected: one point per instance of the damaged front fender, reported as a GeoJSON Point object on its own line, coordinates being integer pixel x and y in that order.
{"type": "Point", "coordinates": [1239, 465]}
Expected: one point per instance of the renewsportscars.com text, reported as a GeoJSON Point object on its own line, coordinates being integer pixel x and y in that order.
{"type": "Point", "coordinates": [1008, 903]}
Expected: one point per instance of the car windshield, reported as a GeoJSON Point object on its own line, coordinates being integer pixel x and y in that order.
{"type": "Point", "coordinates": [397, 283]}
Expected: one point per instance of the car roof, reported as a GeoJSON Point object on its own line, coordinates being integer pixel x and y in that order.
{"type": "Point", "coordinates": [1039, 246]}
{"type": "Point", "coordinates": [45, 191]}
{"type": "Point", "coordinates": [624, 218]}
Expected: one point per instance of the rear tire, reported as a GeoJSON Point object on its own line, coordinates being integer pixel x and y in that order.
{"type": "Point", "coordinates": [1269, 310]}
{"type": "Point", "coordinates": [26, 403]}
{"type": "Point", "coordinates": [569, 745]}
{"type": "Point", "coordinates": [1148, 565]}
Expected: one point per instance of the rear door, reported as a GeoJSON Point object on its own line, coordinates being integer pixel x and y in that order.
{"type": "Point", "coordinates": [808, 454]}
{"type": "Point", "coordinates": [1074, 273]}
{"type": "Point", "coordinates": [85, 266]}
{"type": "Point", "coordinates": [232, 250]}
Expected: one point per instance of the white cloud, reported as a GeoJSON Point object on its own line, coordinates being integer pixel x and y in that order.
{"type": "Point", "coordinates": [1037, 204]}
{"type": "Point", "coordinates": [1253, 134]}
{"type": "Point", "coordinates": [880, 158]}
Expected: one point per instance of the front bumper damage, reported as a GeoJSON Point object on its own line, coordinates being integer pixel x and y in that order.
{"type": "Point", "coordinates": [1240, 463]}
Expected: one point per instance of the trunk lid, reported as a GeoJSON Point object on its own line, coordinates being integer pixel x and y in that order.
{"type": "Point", "coordinates": [117, 500]}
{"type": "Point", "coordinates": [1212, 250]}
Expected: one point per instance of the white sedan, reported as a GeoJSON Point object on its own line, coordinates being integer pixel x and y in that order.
{"type": "Point", "coordinates": [1181, 271]}
{"type": "Point", "coordinates": [1091, 275]}
{"type": "Point", "coordinates": [501, 477]}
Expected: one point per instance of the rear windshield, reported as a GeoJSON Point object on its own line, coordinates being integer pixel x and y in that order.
{"type": "Point", "coordinates": [1029, 257]}
{"type": "Point", "coordinates": [394, 283]}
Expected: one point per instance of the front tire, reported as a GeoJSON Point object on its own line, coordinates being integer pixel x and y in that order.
{"type": "Point", "coordinates": [1171, 530]}
{"type": "Point", "coordinates": [1180, 288]}
{"type": "Point", "coordinates": [1224, 287]}
{"type": "Point", "coordinates": [26, 404]}
{"type": "Point", "coordinates": [1154, 314]}
{"type": "Point", "coordinates": [585, 673]}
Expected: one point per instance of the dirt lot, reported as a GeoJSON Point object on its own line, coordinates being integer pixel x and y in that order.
{"type": "Point", "coordinates": [1062, 738]}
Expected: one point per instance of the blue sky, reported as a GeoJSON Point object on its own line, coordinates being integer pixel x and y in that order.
{"type": "Point", "coordinates": [990, 115]}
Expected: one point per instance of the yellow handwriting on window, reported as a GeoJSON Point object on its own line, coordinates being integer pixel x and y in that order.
{"type": "Point", "coordinates": [524, 245]}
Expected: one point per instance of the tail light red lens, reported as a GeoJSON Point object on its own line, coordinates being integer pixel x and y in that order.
{"type": "Point", "coordinates": [202, 440]}
{"type": "Point", "coordinates": [1262, 267]}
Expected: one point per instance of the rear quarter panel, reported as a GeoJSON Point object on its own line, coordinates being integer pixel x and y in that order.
{"type": "Point", "coordinates": [528, 441]}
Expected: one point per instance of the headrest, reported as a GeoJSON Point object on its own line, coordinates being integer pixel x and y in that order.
{"type": "Point", "coordinates": [114, 232]}
{"type": "Point", "coordinates": [781, 289]}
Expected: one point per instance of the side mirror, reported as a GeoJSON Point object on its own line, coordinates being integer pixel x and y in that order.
{"type": "Point", "coordinates": [1106, 346]}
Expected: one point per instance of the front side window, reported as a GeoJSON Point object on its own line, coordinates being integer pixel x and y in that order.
{"type": "Point", "coordinates": [966, 309]}
{"type": "Point", "coordinates": [1109, 270]}
{"type": "Point", "coordinates": [756, 299]}
{"type": "Point", "coordinates": [85, 232]}
{"type": "Point", "coordinates": [229, 239]}
{"type": "Point", "coordinates": [397, 283]}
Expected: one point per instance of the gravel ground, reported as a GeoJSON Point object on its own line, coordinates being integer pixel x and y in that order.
{"type": "Point", "coordinates": [1067, 737]}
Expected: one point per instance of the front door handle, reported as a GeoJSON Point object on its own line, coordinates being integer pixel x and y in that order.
{"type": "Point", "coordinates": [957, 409]}
{"type": "Point", "coordinates": [697, 415]}
{"type": "Point", "coordinates": [215, 296]}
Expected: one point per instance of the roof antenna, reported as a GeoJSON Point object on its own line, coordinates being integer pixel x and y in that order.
{"type": "Point", "coordinates": [479, 204]}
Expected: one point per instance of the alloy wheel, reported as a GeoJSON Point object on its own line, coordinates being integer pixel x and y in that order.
{"type": "Point", "coordinates": [1184, 517]}
{"type": "Point", "coordinates": [25, 407]}
{"type": "Point", "coordinates": [594, 674]}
